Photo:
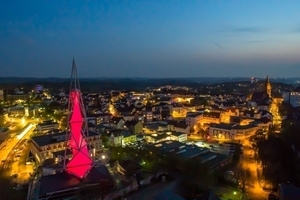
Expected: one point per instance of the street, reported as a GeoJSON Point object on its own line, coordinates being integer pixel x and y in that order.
{"type": "Point", "coordinates": [13, 162]}
{"type": "Point", "coordinates": [248, 162]}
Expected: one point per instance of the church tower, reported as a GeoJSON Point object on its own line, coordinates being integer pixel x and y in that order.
{"type": "Point", "coordinates": [268, 87]}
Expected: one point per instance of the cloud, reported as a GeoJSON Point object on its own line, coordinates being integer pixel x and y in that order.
{"type": "Point", "coordinates": [261, 41]}
{"type": "Point", "coordinates": [242, 29]}
{"type": "Point", "coordinates": [215, 44]}
{"type": "Point", "coordinates": [247, 30]}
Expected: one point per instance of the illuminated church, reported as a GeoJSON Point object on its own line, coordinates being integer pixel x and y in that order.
{"type": "Point", "coordinates": [265, 95]}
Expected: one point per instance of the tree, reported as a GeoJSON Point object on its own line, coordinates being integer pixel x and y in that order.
{"type": "Point", "coordinates": [198, 173]}
{"type": "Point", "coordinates": [105, 140]}
{"type": "Point", "coordinates": [2, 120]}
{"type": "Point", "coordinates": [117, 153]}
{"type": "Point", "coordinates": [64, 123]}
{"type": "Point", "coordinates": [243, 177]}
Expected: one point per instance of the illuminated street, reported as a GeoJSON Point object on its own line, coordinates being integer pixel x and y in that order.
{"type": "Point", "coordinates": [248, 162]}
{"type": "Point", "coordinates": [13, 157]}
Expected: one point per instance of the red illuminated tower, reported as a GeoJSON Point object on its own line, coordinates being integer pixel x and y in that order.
{"type": "Point", "coordinates": [81, 162]}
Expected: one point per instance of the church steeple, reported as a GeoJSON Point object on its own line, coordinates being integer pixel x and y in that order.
{"type": "Point", "coordinates": [268, 87]}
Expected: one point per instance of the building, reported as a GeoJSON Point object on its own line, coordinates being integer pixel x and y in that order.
{"type": "Point", "coordinates": [17, 110]}
{"type": "Point", "coordinates": [17, 95]}
{"type": "Point", "coordinates": [3, 134]}
{"type": "Point", "coordinates": [292, 97]}
{"type": "Point", "coordinates": [210, 117]}
{"type": "Point", "coordinates": [178, 136]}
{"type": "Point", "coordinates": [181, 127]}
{"type": "Point", "coordinates": [288, 191]}
{"type": "Point", "coordinates": [3, 118]}
{"type": "Point", "coordinates": [193, 119]}
{"type": "Point", "coordinates": [64, 186]}
{"type": "Point", "coordinates": [1, 95]}
{"type": "Point", "coordinates": [118, 122]}
{"type": "Point", "coordinates": [166, 135]}
{"type": "Point", "coordinates": [98, 118]}
{"type": "Point", "coordinates": [47, 126]}
{"type": "Point", "coordinates": [265, 94]}
{"type": "Point", "coordinates": [183, 152]}
{"type": "Point", "coordinates": [42, 147]}
{"type": "Point", "coordinates": [127, 167]}
{"type": "Point", "coordinates": [231, 131]}
{"type": "Point", "coordinates": [128, 138]}
{"type": "Point", "coordinates": [116, 137]}
{"type": "Point", "coordinates": [134, 126]}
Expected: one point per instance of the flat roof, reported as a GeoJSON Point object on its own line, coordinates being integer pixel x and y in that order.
{"type": "Point", "coordinates": [179, 150]}
{"type": "Point", "coordinates": [217, 160]}
{"type": "Point", "coordinates": [61, 182]}
{"type": "Point", "coordinates": [43, 140]}
{"type": "Point", "coordinates": [46, 123]}
{"type": "Point", "coordinates": [188, 153]}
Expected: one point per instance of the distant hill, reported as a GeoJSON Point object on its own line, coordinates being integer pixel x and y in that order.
{"type": "Point", "coordinates": [135, 83]}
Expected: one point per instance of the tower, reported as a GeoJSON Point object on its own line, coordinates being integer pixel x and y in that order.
{"type": "Point", "coordinates": [268, 87]}
{"type": "Point", "coordinates": [81, 162]}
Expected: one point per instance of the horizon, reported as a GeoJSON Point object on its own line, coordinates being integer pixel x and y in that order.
{"type": "Point", "coordinates": [132, 77]}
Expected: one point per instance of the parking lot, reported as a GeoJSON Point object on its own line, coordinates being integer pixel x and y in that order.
{"type": "Point", "coordinates": [224, 148]}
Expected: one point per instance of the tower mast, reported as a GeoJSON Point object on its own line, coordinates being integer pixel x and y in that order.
{"type": "Point", "coordinates": [76, 135]}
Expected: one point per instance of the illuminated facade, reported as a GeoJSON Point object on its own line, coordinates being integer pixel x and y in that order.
{"type": "Point", "coordinates": [81, 162]}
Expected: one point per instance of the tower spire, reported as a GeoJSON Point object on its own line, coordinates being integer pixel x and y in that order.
{"type": "Point", "coordinates": [81, 162]}
{"type": "Point", "coordinates": [268, 87]}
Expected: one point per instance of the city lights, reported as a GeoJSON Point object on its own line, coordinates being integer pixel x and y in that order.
{"type": "Point", "coordinates": [24, 132]}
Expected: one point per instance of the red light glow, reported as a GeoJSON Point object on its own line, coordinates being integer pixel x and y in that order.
{"type": "Point", "coordinates": [81, 162]}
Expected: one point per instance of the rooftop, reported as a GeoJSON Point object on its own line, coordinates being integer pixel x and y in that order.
{"type": "Point", "coordinates": [63, 182]}
{"type": "Point", "coordinates": [43, 140]}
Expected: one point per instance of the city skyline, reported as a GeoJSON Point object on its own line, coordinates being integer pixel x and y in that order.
{"type": "Point", "coordinates": [150, 38]}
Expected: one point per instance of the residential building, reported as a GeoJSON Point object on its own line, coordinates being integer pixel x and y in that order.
{"type": "Point", "coordinates": [178, 110]}
{"type": "Point", "coordinates": [148, 115]}
{"type": "Point", "coordinates": [210, 117]}
{"type": "Point", "coordinates": [118, 122]}
{"type": "Point", "coordinates": [227, 113]}
{"type": "Point", "coordinates": [181, 127]}
{"type": "Point", "coordinates": [193, 119]}
{"type": "Point", "coordinates": [134, 126]}
{"type": "Point", "coordinates": [263, 106]}
{"type": "Point", "coordinates": [128, 138]}
{"type": "Point", "coordinates": [116, 137]}
{"type": "Point", "coordinates": [178, 136]}
{"type": "Point", "coordinates": [253, 113]}
{"type": "Point", "coordinates": [47, 126]}
{"type": "Point", "coordinates": [292, 97]}
{"type": "Point", "coordinates": [99, 118]}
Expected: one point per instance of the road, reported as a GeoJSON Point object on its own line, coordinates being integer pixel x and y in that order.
{"type": "Point", "coordinates": [255, 192]}
{"type": "Point", "coordinates": [9, 163]}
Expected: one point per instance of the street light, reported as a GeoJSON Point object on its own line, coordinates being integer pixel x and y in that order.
{"type": "Point", "coordinates": [103, 157]}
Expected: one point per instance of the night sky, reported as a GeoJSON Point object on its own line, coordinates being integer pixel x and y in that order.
{"type": "Point", "coordinates": [155, 38]}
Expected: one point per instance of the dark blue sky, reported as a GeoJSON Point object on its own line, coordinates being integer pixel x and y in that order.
{"type": "Point", "coordinates": [155, 38]}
